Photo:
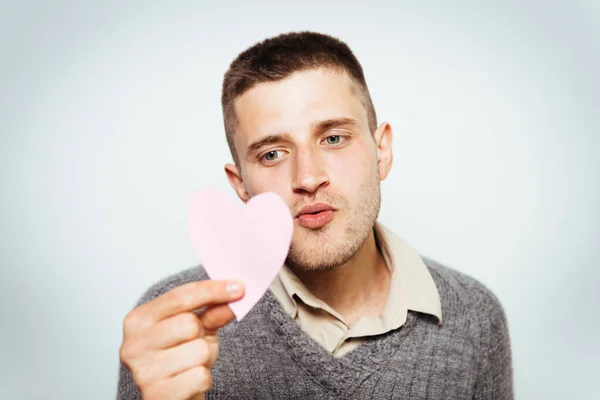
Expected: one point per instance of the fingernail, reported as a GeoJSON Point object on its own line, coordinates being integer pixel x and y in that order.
{"type": "Point", "coordinates": [234, 288]}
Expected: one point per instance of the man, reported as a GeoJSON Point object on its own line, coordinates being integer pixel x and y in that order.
{"type": "Point", "coordinates": [355, 312]}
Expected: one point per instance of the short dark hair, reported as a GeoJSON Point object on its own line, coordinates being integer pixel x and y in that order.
{"type": "Point", "coordinates": [278, 57]}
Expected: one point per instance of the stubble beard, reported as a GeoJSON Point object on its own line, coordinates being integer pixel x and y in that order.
{"type": "Point", "coordinates": [321, 252]}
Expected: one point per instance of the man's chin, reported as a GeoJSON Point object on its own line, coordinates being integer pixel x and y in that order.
{"type": "Point", "coordinates": [310, 266]}
{"type": "Point", "coordinates": [316, 256]}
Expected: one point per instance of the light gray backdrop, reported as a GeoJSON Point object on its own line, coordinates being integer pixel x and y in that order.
{"type": "Point", "coordinates": [110, 120]}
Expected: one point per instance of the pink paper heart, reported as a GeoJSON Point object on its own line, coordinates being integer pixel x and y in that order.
{"type": "Point", "coordinates": [248, 243]}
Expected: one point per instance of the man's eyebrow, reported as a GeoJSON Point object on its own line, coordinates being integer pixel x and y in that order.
{"type": "Point", "coordinates": [267, 140]}
{"type": "Point", "coordinates": [328, 124]}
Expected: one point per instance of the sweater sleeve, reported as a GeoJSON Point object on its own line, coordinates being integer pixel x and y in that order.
{"type": "Point", "coordinates": [126, 389]}
{"type": "Point", "coordinates": [495, 375]}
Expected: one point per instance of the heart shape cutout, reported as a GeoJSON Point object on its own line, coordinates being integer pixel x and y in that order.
{"type": "Point", "coordinates": [248, 243]}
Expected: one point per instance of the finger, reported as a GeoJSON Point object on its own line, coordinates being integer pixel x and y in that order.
{"type": "Point", "coordinates": [173, 361]}
{"type": "Point", "coordinates": [216, 317]}
{"type": "Point", "coordinates": [171, 332]}
{"type": "Point", "coordinates": [213, 346]}
{"type": "Point", "coordinates": [181, 328]}
{"type": "Point", "coordinates": [194, 381]}
{"type": "Point", "coordinates": [187, 297]}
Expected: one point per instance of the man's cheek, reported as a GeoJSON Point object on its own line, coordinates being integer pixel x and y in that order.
{"type": "Point", "coordinates": [275, 187]}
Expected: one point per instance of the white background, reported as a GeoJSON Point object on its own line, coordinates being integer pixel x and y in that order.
{"type": "Point", "coordinates": [110, 120]}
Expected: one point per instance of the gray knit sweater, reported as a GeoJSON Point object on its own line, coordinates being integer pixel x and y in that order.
{"type": "Point", "coordinates": [268, 356]}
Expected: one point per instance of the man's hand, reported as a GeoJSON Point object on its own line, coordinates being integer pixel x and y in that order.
{"type": "Point", "coordinates": [168, 348]}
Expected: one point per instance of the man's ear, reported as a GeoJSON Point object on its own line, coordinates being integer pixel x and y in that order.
{"type": "Point", "coordinates": [385, 156]}
{"type": "Point", "coordinates": [237, 183]}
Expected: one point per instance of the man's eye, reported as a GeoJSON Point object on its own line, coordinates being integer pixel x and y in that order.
{"type": "Point", "coordinates": [333, 139]}
{"type": "Point", "coordinates": [270, 156]}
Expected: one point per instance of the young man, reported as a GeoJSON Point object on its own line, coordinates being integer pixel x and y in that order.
{"type": "Point", "coordinates": [355, 312]}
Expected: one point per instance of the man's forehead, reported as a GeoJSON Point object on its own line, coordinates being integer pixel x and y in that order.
{"type": "Point", "coordinates": [322, 77]}
{"type": "Point", "coordinates": [302, 99]}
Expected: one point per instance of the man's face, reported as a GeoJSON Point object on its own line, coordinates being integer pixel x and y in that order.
{"type": "Point", "coordinates": [307, 139]}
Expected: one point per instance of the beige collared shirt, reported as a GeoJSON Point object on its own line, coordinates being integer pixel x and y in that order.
{"type": "Point", "coordinates": [411, 288]}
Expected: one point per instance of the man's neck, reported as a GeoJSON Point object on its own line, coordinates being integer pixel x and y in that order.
{"type": "Point", "coordinates": [358, 288]}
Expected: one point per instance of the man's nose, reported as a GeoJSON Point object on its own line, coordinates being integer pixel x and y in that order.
{"type": "Point", "coordinates": [309, 174]}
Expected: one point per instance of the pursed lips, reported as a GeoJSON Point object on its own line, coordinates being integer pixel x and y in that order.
{"type": "Point", "coordinates": [315, 208]}
{"type": "Point", "coordinates": [315, 215]}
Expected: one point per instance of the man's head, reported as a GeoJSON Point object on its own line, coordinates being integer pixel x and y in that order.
{"type": "Point", "coordinates": [300, 122]}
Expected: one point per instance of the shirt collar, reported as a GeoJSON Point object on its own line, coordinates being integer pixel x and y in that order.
{"type": "Point", "coordinates": [411, 288]}
{"type": "Point", "coordinates": [412, 275]}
